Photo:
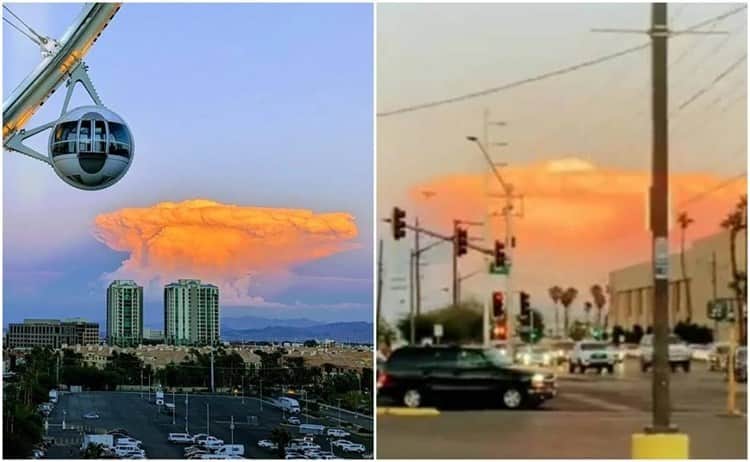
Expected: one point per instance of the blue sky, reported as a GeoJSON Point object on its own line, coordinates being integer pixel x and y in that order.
{"type": "Point", "coordinates": [244, 104]}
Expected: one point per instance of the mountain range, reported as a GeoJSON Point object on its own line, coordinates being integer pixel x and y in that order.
{"type": "Point", "coordinates": [297, 329]}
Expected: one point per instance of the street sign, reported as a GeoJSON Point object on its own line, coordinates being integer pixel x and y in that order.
{"type": "Point", "coordinates": [721, 309]}
{"type": "Point", "coordinates": [437, 330]}
{"type": "Point", "coordinates": [499, 269]}
{"type": "Point", "coordinates": [661, 258]}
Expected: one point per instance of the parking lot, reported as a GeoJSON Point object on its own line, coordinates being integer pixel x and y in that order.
{"type": "Point", "coordinates": [138, 415]}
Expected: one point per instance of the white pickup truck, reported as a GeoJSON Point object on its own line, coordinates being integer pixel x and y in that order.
{"type": "Point", "coordinates": [590, 354]}
{"type": "Point", "coordinates": [679, 353]}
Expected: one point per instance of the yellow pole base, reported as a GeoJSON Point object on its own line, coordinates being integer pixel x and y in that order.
{"type": "Point", "coordinates": [660, 446]}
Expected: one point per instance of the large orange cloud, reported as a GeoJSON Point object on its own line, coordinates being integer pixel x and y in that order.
{"type": "Point", "coordinates": [229, 245]}
{"type": "Point", "coordinates": [579, 221]}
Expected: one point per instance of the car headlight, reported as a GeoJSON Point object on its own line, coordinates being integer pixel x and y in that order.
{"type": "Point", "coordinates": [560, 353]}
{"type": "Point", "coordinates": [545, 358]}
{"type": "Point", "coordinates": [537, 379]}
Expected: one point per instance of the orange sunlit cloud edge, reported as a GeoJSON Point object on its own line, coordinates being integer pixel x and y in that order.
{"type": "Point", "coordinates": [579, 221]}
{"type": "Point", "coordinates": [235, 247]}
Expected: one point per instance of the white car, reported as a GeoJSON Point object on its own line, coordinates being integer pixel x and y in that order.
{"type": "Point", "coordinates": [212, 442]}
{"type": "Point", "coordinates": [267, 444]}
{"type": "Point", "coordinates": [354, 447]}
{"type": "Point", "coordinates": [337, 432]}
{"type": "Point", "coordinates": [180, 438]}
{"type": "Point", "coordinates": [590, 354]}
{"type": "Point", "coordinates": [340, 443]}
{"type": "Point", "coordinates": [91, 415]}
{"type": "Point", "coordinates": [679, 353]}
{"type": "Point", "coordinates": [293, 420]}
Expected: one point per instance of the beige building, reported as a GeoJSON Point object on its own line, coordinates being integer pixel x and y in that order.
{"type": "Point", "coordinates": [709, 272]}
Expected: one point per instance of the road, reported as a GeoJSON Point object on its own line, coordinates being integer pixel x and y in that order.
{"type": "Point", "coordinates": [593, 417]}
{"type": "Point", "coordinates": [142, 419]}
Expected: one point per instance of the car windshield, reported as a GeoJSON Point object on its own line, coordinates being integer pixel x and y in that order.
{"type": "Point", "coordinates": [497, 358]}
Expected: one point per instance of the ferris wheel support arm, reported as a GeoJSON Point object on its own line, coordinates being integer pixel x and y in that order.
{"type": "Point", "coordinates": [15, 142]}
{"type": "Point", "coordinates": [79, 74]}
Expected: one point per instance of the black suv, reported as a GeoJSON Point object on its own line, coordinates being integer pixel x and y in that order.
{"type": "Point", "coordinates": [415, 375]}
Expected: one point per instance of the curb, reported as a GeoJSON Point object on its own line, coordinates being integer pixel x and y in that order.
{"type": "Point", "coordinates": [409, 412]}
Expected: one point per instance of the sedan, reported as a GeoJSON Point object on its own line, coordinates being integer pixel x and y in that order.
{"type": "Point", "coordinates": [91, 415]}
{"type": "Point", "coordinates": [337, 432]}
{"type": "Point", "coordinates": [354, 447]}
{"type": "Point", "coordinates": [267, 444]}
{"type": "Point", "coordinates": [293, 420]}
{"type": "Point", "coordinates": [341, 443]}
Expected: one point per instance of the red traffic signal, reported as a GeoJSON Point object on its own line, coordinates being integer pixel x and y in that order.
{"type": "Point", "coordinates": [462, 241]}
{"type": "Point", "coordinates": [398, 223]}
{"type": "Point", "coordinates": [500, 258]}
{"type": "Point", "coordinates": [498, 305]}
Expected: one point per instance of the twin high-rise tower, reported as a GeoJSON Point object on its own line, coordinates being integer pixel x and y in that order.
{"type": "Point", "coordinates": [191, 313]}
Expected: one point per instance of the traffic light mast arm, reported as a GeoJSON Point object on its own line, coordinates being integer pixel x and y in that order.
{"type": "Point", "coordinates": [442, 237]}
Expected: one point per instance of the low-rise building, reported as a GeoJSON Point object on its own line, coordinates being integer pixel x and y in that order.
{"type": "Point", "coordinates": [708, 270]}
{"type": "Point", "coordinates": [52, 332]}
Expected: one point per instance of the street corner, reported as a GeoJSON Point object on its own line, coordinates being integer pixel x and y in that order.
{"type": "Point", "coordinates": [408, 412]}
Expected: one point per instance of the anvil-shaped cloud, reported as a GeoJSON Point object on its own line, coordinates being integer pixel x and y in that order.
{"type": "Point", "coordinates": [228, 245]}
{"type": "Point", "coordinates": [580, 221]}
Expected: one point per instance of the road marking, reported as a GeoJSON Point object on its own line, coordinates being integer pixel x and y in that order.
{"type": "Point", "coordinates": [609, 406]}
{"type": "Point", "coordinates": [408, 412]}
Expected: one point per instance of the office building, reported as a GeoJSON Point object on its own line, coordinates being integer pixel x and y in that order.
{"type": "Point", "coordinates": [191, 313]}
{"type": "Point", "coordinates": [52, 333]}
{"type": "Point", "coordinates": [124, 313]}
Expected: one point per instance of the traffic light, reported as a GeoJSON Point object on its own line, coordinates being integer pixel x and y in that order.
{"type": "Point", "coordinates": [525, 305]}
{"type": "Point", "coordinates": [462, 241]}
{"type": "Point", "coordinates": [398, 223]}
{"type": "Point", "coordinates": [499, 254]}
{"type": "Point", "coordinates": [498, 308]}
{"type": "Point", "coordinates": [500, 331]}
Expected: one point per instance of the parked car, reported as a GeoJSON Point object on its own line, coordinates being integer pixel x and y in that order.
{"type": "Point", "coordinates": [212, 443]}
{"type": "Point", "coordinates": [415, 375]}
{"type": "Point", "coordinates": [337, 432]}
{"type": "Point", "coordinates": [293, 420]}
{"type": "Point", "coordinates": [679, 353]}
{"type": "Point", "coordinates": [354, 447]}
{"type": "Point", "coordinates": [91, 415]}
{"type": "Point", "coordinates": [267, 444]}
{"type": "Point", "coordinates": [180, 438]}
{"type": "Point", "coordinates": [231, 450]}
{"type": "Point", "coordinates": [592, 354]}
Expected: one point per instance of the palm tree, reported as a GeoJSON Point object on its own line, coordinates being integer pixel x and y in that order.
{"type": "Point", "coordinates": [599, 301]}
{"type": "Point", "coordinates": [587, 310]}
{"type": "Point", "coordinates": [566, 299]}
{"type": "Point", "coordinates": [736, 222]}
{"type": "Point", "coordinates": [684, 221]}
{"type": "Point", "coordinates": [555, 293]}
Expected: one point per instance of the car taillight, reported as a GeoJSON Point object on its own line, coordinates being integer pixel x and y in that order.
{"type": "Point", "coordinates": [382, 380]}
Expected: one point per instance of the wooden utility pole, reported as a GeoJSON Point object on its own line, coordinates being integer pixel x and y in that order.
{"type": "Point", "coordinates": [659, 221]}
{"type": "Point", "coordinates": [417, 276]}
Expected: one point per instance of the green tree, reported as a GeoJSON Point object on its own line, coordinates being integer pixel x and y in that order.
{"type": "Point", "coordinates": [461, 323]}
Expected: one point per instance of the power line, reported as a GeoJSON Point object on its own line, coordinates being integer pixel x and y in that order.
{"type": "Point", "coordinates": [711, 190]}
{"type": "Point", "coordinates": [547, 75]}
{"type": "Point", "coordinates": [716, 80]}
{"type": "Point", "coordinates": [518, 83]}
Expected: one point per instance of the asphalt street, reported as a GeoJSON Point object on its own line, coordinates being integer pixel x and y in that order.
{"type": "Point", "coordinates": [142, 419]}
{"type": "Point", "coordinates": [593, 416]}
